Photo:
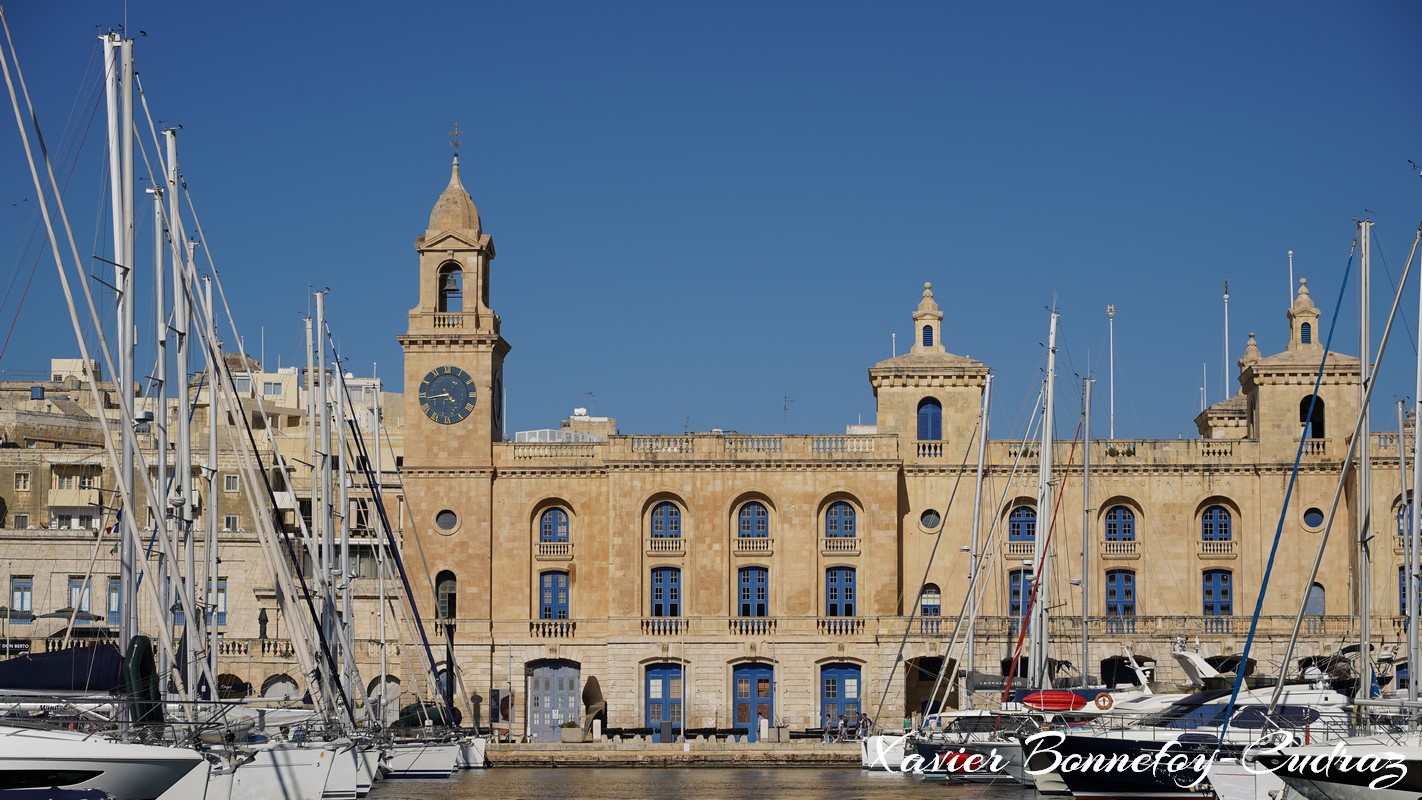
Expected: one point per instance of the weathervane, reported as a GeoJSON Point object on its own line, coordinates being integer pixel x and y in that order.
{"type": "Point", "coordinates": [454, 138]}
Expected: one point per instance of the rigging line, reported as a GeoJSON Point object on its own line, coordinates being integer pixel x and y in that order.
{"type": "Point", "coordinates": [1387, 268]}
{"type": "Point", "coordinates": [40, 255]}
{"type": "Point", "coordinates": [1037, 570]}
{"type": "Point", "coordinates": [1289, 490]}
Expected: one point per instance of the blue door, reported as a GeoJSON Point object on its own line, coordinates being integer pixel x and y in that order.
{"type": "Point", "coordinates": [754, 591]}
{"type": "Point", "coordinates": [754, 692]}
{"type": "Point", "coordinates": [554, 697]}
{"type": "Point", "coordinates": [664, 696]}
{"type": "Point", "coordinates": [839, 695]}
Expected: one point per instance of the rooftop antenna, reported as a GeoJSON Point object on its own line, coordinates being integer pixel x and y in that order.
{"type": "Point", "coordinates": [785, 411]}
{"type": "Point", "coordinates": [588, 394]}
{"type": "Point", "coordinates": [1204, 382]}
{"type": "Point", "coordinates": [893, 345]}
{"type": "Point", "coordinates": [1291, 278]}
{"type": "Point", "coordinates": [1224, 369]}
{"type": "Point", "coordinates": [1111, 336]}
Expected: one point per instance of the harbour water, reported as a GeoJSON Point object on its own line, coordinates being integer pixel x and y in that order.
{"type": "Point", "coordinates": [697, 783]}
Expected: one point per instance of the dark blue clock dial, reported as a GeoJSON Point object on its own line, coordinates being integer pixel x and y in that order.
{"type": "Point", "coordinates": [447, 395]}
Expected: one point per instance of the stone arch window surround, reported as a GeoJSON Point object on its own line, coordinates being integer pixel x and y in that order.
{"type": "Point", "coordinates": [552, 524]}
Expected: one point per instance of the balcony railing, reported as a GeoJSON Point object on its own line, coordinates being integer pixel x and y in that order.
{"type": "Point", "coordinates": [449, 320]}
{"type": "Point", "coordinates": [664, 626]}
{"type": "Point", "coordinates": [840, 545]}
{"type": "Point", "coordinates": [1217, 549]}
{"type": "Point", "coordinates": [665, 546]}
{"type": "Point", "coordinates": [754, 545]}
{"type": "Point", "coordinates": [552, 628]}
{"type": "Point", "coordinates": [840, 626]}
{"type": "Point", "coordinates": [1119, 548]}
{"type": "Point", "coordinates": [1021, 548]}
{"type": "Point", "coordinates": [752, 626]}
{"type": "Point", "coordinates": [929, 449]}
{"type": "Point", "coordinates": [1315, 448]}
{"type": "Point", "coordinates": [554, 551]}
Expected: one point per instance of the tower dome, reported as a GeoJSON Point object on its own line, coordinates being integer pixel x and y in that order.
{"type": "Point", "coordinates": [454, 210]}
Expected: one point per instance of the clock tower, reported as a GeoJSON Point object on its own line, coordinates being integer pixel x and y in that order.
{"type": "Point", "coordinates": [453, 413]}
{"type": "Point", "coordinates": [453, 351]}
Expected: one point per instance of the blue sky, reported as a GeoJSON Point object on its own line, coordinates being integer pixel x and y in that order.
{"type": "Point", "coordinates": [701, 209]}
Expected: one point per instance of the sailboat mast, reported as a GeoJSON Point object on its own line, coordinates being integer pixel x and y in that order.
{"type": "Point", "coordinates": [118, 91]}
{"type": "Point", "coordinates": [1085, 529]}
{"type": "Point", "coordinates": [210, 545]}
{"type": "Point", "coordinates": [183, 473]}
{"type": "Point", "coordinates": [1365, 658]}
{"type": "Point", "coordinates": [977, 517]}
{"type": "Point", "coordinates": [380, 552]}
{"type": "Point", "coordinates": [328, 536]}
{"type": "Point", "coordinates": [1415, 512]}
{"type": "Point", "coordinates": [1041, 672]}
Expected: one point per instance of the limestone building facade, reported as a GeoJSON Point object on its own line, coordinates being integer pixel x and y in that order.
{"type": "Point", "coordinates": [714, 580]}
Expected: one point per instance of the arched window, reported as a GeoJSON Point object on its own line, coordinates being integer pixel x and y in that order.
{"type": "Point", "coordinates": [666, 521]}
{"type": "Point", "coordinates": [839, 695]}
{"type": "Point", "coordinates": [753, 521]}
{"type": "Point", "coordinates": [553, 595]}
{"type": "Point", "coordinates": [446, 591]}
{"type": "Point", "coordinates": [930, 420]}
{"type": "Point", "coordinates": [1022, 524]}
{"type": "Point", "coordinates": [927, 335]}
{"type": "Point", "coordinates": [1305, 333]}
{"type": "Point", "coordinates": [754, 587]}
{"type": "Point", "coordinates": [451, 289]}
{"type": "Point", "coordinates": [1311, 420]}
{"type": "Point", "coordinates": [839, 592]}
{"type": "Point", "coordinates": [553, 526]}
{"type": "Point", "coordinates": [666, 592]}
{"type": "Point", "coordinates": [1315, 606]}
{"type": "Point", "coordinates": [1215, 525]}
{"type": "Point", "coordinates": [839, 520]}
{"type": "Point", "coordinates": [1120, 524]}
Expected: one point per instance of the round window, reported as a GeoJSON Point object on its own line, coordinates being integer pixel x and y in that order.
{"type": "Point", "coordinates": [1313, 517]}
{"type": "Point", "coordinates": [446, 520]}
{"type": "Point", "coordinates": [930, 520]}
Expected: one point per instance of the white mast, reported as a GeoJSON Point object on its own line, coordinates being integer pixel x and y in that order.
{"type": "Point", "coordinates": [1085, 528]}
{"type": "Point", "coordinates": [1365, 659]}
{"type": "Point", "coordinates": [210, 543]}
{"type": "Point", "coordinates": [326, 508]}
{"type": "Point", "coordinates": [1224, 369]}
{"type": "Point", "coordinates": [183, 473]}
{"type": "Point", "coordinates": [1037, 657]}
{"type": "Point", "coordinates": [1111, 382]}
{"type": "Point", "coordinates": [977, 517]}
{"type": "Point", "coordinates": [347, 615]}
{"type": "Point", "coordinates": [380, 561]}
{"type": "Point", "coordinates": [118, 91]}
{"type": "Point", "coordinates": [1415, 514]}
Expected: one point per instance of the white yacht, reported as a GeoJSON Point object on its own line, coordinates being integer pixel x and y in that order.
{"type": "Point", "coordinates": [49, 759]}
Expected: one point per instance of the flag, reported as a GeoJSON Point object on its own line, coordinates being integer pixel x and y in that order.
{"type": "Point", "coordinates": [114, 529]}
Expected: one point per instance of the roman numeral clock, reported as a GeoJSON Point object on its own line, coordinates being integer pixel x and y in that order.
{"type": "Point", "coordinates": [447, 395]}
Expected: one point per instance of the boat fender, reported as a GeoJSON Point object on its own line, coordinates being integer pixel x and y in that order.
{"type": "Point", "coordinates": [1104, 701]}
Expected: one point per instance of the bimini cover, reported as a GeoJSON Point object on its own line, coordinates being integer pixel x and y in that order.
{"type": "Point", "coordinates": [76, 669]}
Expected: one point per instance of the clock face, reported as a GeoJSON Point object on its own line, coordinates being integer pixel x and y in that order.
{"type": "Point", "coordinates": [447, 395]}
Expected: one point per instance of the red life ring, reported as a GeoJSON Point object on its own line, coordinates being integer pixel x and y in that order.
{"type": "Point", "coordinates": [1104, 701]}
